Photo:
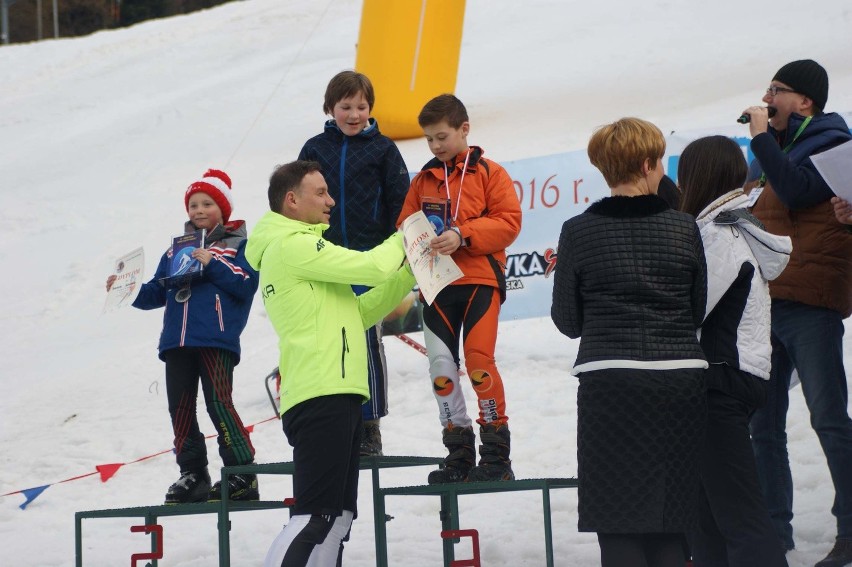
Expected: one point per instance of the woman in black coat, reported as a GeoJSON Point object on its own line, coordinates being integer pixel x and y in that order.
{"type": "Point", "coordinates": [631, 282]}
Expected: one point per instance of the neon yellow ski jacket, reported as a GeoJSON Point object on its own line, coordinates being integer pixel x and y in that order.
{"type": "Point", "coordinates": [306, 284]}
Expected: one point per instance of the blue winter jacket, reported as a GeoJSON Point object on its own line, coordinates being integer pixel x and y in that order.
{"type": "Point", "coordinates": [368, 180]}
{"type": "Point", "coordinates": [218, 308]}
{"type": "Point", "coordinates": [792, 174]}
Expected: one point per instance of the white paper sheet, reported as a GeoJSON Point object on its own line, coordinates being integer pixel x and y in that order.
{"type": "Point", "coordinates": [835, 166]}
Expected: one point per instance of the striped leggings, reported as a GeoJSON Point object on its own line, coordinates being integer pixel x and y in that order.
{"type": "Point", "coordinates": [214, 368]}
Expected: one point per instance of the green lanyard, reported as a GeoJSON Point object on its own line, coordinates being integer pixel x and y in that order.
{"type": "Point", "coordinates": [798, 133]}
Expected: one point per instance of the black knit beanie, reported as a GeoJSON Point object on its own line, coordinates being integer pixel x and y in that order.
{"type": "Point", "coordinates": [807, 77]}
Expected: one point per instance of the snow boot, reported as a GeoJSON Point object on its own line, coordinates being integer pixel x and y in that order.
{"type": "Point", "coordinates": [494, 463]}
{"type": "Point", "coordinates": [192, 486]}
{"type": "Point", "coordinates": [459, 441]}
{"type": "Point", "coordinates": [840, 555]}
{"type": "Point", "coordinates": [371, 439]}
{"type": "Point", "coordinates": [240, 487]}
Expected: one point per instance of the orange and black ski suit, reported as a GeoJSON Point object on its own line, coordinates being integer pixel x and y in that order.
{"type": "Point", "coordinates": [487, 214]}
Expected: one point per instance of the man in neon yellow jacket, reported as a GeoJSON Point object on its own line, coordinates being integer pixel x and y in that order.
{"type": "Point", "coordinates": [306, 284]}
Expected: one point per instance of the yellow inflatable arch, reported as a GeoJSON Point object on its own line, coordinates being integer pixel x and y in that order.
{"type": "Point", "coordinates": [410, 50]}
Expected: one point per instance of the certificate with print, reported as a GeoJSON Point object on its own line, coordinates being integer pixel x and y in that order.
{"type": "Point", "coordinates": [432, 271]}
{"type": "Point", "coordinates": [128, 279]}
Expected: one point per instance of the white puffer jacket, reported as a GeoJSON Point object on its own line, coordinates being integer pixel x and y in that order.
{"type": "Point", "coordinates": [741, 260]}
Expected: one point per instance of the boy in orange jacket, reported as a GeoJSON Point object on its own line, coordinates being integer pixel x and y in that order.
{"type": "Point", "coordinates": [482, 217]}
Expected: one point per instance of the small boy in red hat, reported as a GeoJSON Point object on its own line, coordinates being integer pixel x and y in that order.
{"type": "Point", "coordinates": [200, 341]}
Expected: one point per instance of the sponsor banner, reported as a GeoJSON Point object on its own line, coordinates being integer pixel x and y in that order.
{"type": "Point", "coordinates": [551, 189]}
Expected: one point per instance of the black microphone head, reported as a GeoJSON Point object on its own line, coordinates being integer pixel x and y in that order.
{"type": "Point", "coordinates": [746, 118]}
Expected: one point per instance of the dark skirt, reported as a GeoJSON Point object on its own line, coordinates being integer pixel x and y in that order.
{"type": "Point", "coordinates": [639, 434]}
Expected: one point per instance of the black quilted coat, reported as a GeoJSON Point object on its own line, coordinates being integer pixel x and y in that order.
{"type": "Point", "coordinates": [630, 281]}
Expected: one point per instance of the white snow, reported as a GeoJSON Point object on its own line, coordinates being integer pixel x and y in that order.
{"type": "Point", "coordinates": [100, 135]}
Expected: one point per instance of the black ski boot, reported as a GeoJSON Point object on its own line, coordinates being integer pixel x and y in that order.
{"type": "Point", "coordinates": [494, 463]}
{"type": "Point", "coordinates": [459, 441]}
{"type": "Point", "coordinates": [192, 486]}
{"type": "Point", "coordinates": [240, 487]}
{"type": "Point", "coordinates": [371, 439]}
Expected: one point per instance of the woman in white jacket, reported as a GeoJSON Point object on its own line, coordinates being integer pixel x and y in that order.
{"type": "Point", "coordinates": [734, 527]}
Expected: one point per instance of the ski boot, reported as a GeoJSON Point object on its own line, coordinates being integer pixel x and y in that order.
{"type": "Point", "coordinates": [240, 487]}
{"type": "Point", "coordinates": [192, 486]}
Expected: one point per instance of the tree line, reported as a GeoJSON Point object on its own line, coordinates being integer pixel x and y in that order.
{"type": "Point", "coordinates": [82, 17]}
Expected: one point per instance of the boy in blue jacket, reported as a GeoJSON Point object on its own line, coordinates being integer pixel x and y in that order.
{"type": "Point", "coordinates": [201, 340]}
{"type": "Point", "coordinates": [368, 180]}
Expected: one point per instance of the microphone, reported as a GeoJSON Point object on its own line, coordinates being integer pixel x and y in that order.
{"type": "Point", "coordinates": [746, 118]}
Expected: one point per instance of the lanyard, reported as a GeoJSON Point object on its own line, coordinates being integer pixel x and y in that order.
{"type": "Point", "coordinates": [461, 182]}
{"type": "Point", "coordinates": [798, 133]}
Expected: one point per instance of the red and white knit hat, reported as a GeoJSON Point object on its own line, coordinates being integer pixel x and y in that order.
{"type": "Point", "coordinates": [217, 184]}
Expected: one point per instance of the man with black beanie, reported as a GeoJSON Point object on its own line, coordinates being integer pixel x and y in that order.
{"type": "Point", "coordinates": [811, 297]}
